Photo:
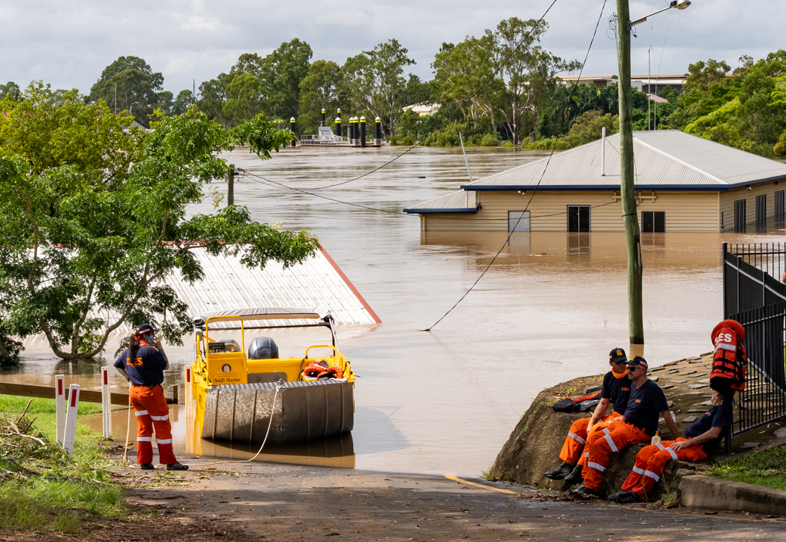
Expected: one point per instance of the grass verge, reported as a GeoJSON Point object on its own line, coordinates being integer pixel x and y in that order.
{"type": "Point", "coordinates": [763, 469]}
{"type": "Point", "coordinates": [41, 488]}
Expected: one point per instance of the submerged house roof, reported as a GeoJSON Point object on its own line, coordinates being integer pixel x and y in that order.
{"type": "Point", "coordinates": [664, 160]}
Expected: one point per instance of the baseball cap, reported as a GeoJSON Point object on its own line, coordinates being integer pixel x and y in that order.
{"type": "Point", "coordinates": [617, 355]}
{"type": "Point", "coordinates": [638, 361]}
{"type": "Point", "coordinates": [145, 328]}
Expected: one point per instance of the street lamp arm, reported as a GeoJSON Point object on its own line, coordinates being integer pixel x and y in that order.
{"type": "Point", "coordinates": [640, 20]}
{"type": "Point", "coordinates": [679, 4]}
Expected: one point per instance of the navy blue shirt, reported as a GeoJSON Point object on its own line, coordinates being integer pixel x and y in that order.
{"type": "Point", "coordinates": [147, 369]}
{"type": "Point", "coordinates": [616, 390]}
{"type": "Point", "coordinates": [645, 405]}
{"type": "Point", "coordinates": [714, 417]}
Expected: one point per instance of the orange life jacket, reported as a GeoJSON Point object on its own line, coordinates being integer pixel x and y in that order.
{"type": "Point", "coordinates": [729, 360]}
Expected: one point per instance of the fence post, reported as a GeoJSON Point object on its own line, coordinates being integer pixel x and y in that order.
{"type": "Point", "coordinates": [70, 425]}
{"type": "Point", "coordinates": [106, 403]}
{"type": "Point", "coordinates": [60, 407]}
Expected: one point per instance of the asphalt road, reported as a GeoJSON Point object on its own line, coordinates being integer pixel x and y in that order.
{"type": "Point", "coordinates": [263, 501]}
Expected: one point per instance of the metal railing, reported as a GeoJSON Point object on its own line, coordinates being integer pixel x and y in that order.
{"type": "Point", "coordinates": [754, 296]}
{"type": "Point", "coordinates": [764, 397]}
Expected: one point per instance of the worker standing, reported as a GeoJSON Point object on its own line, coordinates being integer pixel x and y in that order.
{"type": "Point", "coordinates": [701, 437]}
{"type": "Point", "coordinates": [143, 364]}
{"type": "Point", "coordinates": [646, 401]}
{"type": "Point", "coordinates": [615, 390]}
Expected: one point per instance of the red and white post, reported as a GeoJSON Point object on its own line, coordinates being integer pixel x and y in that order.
{"type": "Point", "coordinates": [60, 406]}
{"type": "Point", "coordinates": [70, 424]}
{"type": "Point", "coordinates": [106, 403]}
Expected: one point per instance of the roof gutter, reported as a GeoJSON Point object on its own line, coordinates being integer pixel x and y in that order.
{"type": "Point", "coordinates": [460, 211]}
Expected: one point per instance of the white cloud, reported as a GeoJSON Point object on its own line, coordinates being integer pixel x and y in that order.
{"type": "Point", "coordinates": [68, 44]}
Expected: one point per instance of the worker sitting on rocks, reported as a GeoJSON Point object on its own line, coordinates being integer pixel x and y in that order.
{"type": "Point", "coordinates": [701, 437]}
{"type": "Point", "coordinates": [639, 425]}
{"type": "Point", "coordinates": [615, 390]}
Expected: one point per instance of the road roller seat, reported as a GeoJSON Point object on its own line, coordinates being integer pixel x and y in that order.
{"type": "Point", "coordinates": [263, 348]}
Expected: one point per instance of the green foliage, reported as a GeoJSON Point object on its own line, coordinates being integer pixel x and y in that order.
{"type": "Point", "coordinates": [130, 83]}
{"type": "Point", "coordinates": [746, 111]}
{"type": "Point", "coordinates": [95, 217]}
{"type": "Point", "coordinates": [320, 89]}
{"type": "Point", "coordinates": [10, 91]}
{"type": "Point", "coordinates": [762, 469]}
{"type": "Point", "coordinates": [488, 140]}
{"type": "Point", "coordinates": [374, 82]}
{"type": "Point", "coordinates": [183, 101]}
{"type": "Point", "coordinates": [588, 127]}
{"type": "Point", "coordinates": [41, 488]}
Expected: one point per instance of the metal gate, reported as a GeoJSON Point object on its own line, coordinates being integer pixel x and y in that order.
{"type": "Point", "coordinates": [757, 300]}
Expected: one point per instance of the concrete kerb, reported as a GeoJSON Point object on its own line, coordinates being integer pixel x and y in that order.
{"type": "Point", "coordinates": [716, 494]}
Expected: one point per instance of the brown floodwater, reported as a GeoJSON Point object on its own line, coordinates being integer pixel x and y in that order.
{"type": "Point", "coordinates": [549, 309]}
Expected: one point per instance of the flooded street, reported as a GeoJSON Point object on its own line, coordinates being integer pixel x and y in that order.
{"type": "Point", "coordinates": [548, 310]}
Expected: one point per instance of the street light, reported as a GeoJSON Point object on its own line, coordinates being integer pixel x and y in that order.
{"type": "Point", "coordinates": [627, 187]}
{"type": "Point", "coordinates": [679, 4]}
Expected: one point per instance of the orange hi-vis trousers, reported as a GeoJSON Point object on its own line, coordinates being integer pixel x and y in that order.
{"type": "Point", "coordinates": [599, 431]}
{"type": "Point", "coordinates": [651, 461]}
{"type": "Point", "coordinates": [617, 436]}
{"type": "Point", "coordinates": [577, 436]}
{"type": "Point", "coordinates": [152, 411]}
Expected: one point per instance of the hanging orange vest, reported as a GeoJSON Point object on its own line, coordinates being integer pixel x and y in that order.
{"type": "Point", "coordinates": [729, 360]}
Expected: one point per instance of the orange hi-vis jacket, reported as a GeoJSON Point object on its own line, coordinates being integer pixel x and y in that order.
{"type": "Point", "coordinates": [729, 359]}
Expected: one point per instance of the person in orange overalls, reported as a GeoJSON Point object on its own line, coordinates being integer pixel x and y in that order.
{"type": "Point", "coordinates": [143, 364]}
{"type": "Point", "coordinates": [639, 425]}
{"type": "Point", "coordinates": [615, 390]}
{"type": "Point", "coordinates": [701, 437]}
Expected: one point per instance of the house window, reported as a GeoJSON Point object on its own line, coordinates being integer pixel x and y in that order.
{"type": "Point", "coordinates": [761, 212]}
{"type": "Point", "coordinates": [518, 221]}
{"type": "Point", "coordinates": [578, 218]}
{"type": "Point", "coordinates": [740, 217]}
{"type": "Point", "coordinates": [653, 221]}
{"type": "Point", "coordinates": [779, 209]}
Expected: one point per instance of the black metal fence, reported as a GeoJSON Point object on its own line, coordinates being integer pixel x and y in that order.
{"type": "Point", "coordinates": [757, 300]}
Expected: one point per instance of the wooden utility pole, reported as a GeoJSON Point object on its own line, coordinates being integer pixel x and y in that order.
{"type": "Point", "coordinates": [231, 185]}
{"type": "Point", "coordinates": [627, 187]}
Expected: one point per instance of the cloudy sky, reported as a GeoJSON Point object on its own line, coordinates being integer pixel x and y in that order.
{"type": "Point", "coordinates": [68, 44]}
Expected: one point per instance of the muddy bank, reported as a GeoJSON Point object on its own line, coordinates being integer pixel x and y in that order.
{"type": "Point", "coordinates": [534, 445]}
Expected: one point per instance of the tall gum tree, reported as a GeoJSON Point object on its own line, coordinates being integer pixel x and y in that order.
{"type": "Point", "coordinates": [84, 236]}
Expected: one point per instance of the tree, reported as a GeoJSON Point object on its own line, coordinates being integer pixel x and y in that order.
{"type": "Point", "coordinates": [10, 90]}
{"type": "Point", "coordinates": [82, 242]}
{"type": "Point", "coordinates": [375, 81]}
{"type": "Point", "coordinates": [129, 84]}
{"type": "Point", "coordinates": [212, 95]}
{"type": "Point", "coordinates": [320, 89]}
{"type": "Point", "coordinates": [280, 77]}
{"type": "Point", "coordinates": [183, 101]}
{"type": "Point", "coordinates": [527, 70]}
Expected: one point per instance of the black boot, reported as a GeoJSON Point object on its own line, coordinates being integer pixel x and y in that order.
{"type": "Point", "coordinates": [560, 472]}
{"type": "Point", "coordinates": [575, 475]}
{"type": "Point", "coordinates": [624, 497]}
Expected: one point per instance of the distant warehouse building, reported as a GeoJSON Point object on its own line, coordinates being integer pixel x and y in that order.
{"type": "Point", "coordinates": [683, 184]}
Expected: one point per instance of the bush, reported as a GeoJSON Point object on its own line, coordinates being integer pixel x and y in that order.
{"type": "Point", "coordinates": [489, 140]}
{"type": "Point", "coordinates": [587, 128]}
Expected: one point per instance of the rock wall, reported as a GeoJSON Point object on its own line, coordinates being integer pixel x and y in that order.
{"type": "Point", "coordinates": [534, 445]}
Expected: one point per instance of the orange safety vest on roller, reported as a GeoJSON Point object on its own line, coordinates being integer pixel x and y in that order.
{"type": "Point", "coordinates": [729, 359]}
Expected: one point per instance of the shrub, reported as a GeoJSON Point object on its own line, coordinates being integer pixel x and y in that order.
{"type": "Point", "coordinates": [489, 140]}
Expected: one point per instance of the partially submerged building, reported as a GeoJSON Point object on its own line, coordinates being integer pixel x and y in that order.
{"type": "Point", "coordinates": [683, 184]}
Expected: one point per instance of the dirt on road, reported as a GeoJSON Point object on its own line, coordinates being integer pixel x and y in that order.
{"type": "Point", "coordinates": [263, 501]}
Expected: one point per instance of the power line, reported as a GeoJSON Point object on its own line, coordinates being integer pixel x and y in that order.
{"type": "Point", "coordinates": [369, 173]}
{"type": "Point", "coordinates": [548, 161]}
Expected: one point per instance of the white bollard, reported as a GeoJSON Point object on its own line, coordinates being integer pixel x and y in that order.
{"type": "Point", "coordinates": [106, 402]}
{"type": "Point", "coordinates": [70, 425]}
{"type": "Point", "coordinates": [60, 406]}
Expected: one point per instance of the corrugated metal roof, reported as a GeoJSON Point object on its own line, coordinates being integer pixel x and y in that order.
{"type": "Point", "coordinates": [664, 159]}
{"type": "Point", "coordinates": [460, 202]}
{"type": "Point", "coordinates": [318, 282]}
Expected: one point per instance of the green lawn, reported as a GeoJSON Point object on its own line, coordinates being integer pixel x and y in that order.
{"type": "Point", "coordinates": [762, 469]}
{"type": "Point", "coordinates": [41, 489]}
